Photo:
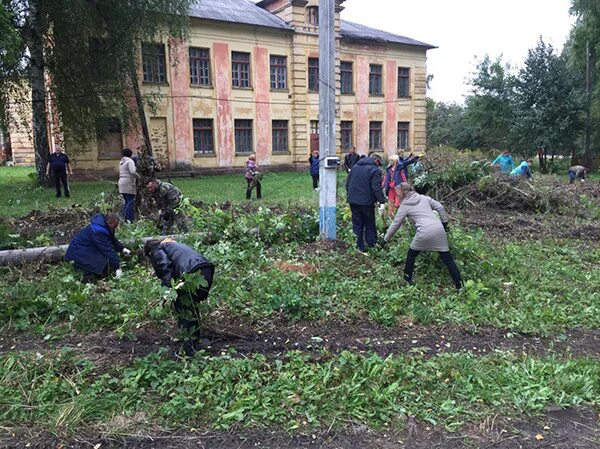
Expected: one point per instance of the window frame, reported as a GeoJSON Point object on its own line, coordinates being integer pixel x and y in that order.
{"type": "Point", "coordinates": [280, 134]}
{"type": "Point", "coordinates": [237, 71]}
{"type": "Point", "coordinates": [374, 76]}
{"type": "Point", "coordinates": [344, 128]}
{"type": "Point", "coordinates": [153, 54]}
{"type": "Point", "coordinates": [312, 15]}
{"type": "Point", "coordinates": [351, 75]}
{"type": "Point", "coordinates": [372, 131]}
{"type": "Point", "coordinates": [403, 127]}
{"type": "Point", "coordinates": [313, 73]}
{"type": "Point", "coordinates": [404, 79]}
{"type": "Point", "coordinates": [248, 130]}
{"type": "Point", "coordinates": [197, 127]}
{"type": "Point", "coordinates": [195, 62]}
{"type": "Point", "coordinates": [273, 71]}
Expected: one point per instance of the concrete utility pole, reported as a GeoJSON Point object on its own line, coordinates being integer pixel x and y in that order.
{"type": "Point", "coordinates": [327, 176]}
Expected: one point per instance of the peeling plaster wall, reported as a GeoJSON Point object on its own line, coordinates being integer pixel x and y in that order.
{"type": "Point", "coordinates": [223, 104]}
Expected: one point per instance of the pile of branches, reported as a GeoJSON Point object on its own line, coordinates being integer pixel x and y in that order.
{"type": "Point", "coordinates": [517, 194]}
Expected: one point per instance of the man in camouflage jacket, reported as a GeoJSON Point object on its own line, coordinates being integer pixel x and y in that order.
{"type": "Point", "coordinates": [168, 198]}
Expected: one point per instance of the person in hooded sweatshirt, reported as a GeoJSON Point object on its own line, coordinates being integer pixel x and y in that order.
{"type": "Point", "coordinates": [171, 261]}
{"type": "Point", "coordinates": [94, 250]}
{"type": "Point", "coordinates": [431, 230]}
{"type": "Point", "coordinates": [364, 189]}
{"type": "Point", "coordinates": [504, 163]}
{"type": "Point", "coordinates": [128, 184]}
{"type": "Point", "coordinates": [523, 170]}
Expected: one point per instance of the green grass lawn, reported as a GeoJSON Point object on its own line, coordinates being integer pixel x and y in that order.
{"type": "Point", "coordinates": [20, 194]}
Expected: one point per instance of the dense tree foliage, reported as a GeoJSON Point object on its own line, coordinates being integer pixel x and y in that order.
{"type": "Point", "coordinates": [88, 52]}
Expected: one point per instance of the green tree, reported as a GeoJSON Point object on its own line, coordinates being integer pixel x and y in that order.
{"type": "Point", "coordinates": [489, 109]}
{"type": "Point", "coordinates": [448, 126]}
{"type": "Point", "coordinates": [584, 44]}
{"type": "Point", "coordinates": [85, 55]}
{"type": "Point", "coordinates": [547, 103]}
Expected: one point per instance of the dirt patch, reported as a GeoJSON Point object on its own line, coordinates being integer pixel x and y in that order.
{"type": "Point", "coordinates": [59, 225]}
{"type": "Point", "coordinates": [107, 350]}
{"type": "Point", "coordinates": [558, 429]}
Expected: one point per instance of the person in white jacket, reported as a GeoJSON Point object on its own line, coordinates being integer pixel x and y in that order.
{"type": "Point", "coordinates": [127, 184]}
{"type": "Point", "coordinates": [431, 230]}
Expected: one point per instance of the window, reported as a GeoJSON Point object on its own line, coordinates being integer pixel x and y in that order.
{"type": "Point", "coordinates": [346, 135]}
{"type": "Point", "coordinates": [278, 72]}
{"type": "Point", "coordinates": [280, 136]}
{"type": "Point", "coordinates": [109, 137]}
{"type": "Point", "coordinates": [240, 67]}
{"type": "Point", "coordinates": [403, 82]}
{"type": "Point", "coordinates": [403, 128]}
{"type": "Point", "coordinates": [314, 127]}
{"type": "Point", "coordinates": [313, 15]}
{"type": "Point", "coordinates": [375, 71]}
{"type": "Point", "coordinates": [313, 74]}
{"type": "Point", "coordinates": [199, 67]}
{"type": "Point", "coordinates": [203, 136]}
{"type": "Point", "coordinates": [243, 136]}
{"type": "Point", "coordinates": [153, 63]}
{"type": "Point", "coordinates": [374, 135]}
{"type": "Point", "coordinates": [346, 77]}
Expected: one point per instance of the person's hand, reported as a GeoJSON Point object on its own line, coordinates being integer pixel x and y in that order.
{"type": "Point", "coordinates": [446, 226]}
{"type": "Point", "coordinates": [126, 252]}
{"type": "Point", "coordinates": [118, 273]}
{"type": "Point", "coordinates": [381, 208]}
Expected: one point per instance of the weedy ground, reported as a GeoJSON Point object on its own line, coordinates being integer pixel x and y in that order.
{"type": "Point", "coordinates": [311, 343]}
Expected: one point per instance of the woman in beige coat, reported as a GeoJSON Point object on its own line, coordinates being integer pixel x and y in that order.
{"type": "Point", "coordinates": [127, 184]}
{"type": "Point", "coordinates": [431, 230]}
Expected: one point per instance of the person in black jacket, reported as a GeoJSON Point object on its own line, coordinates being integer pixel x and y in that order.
{"type": "Point", "coordinates": [350, 159]}
{"type": "Point", "coordinates": [171, 260]}
{"type": "Point", "coordinates": [60, 165]}
{"type": "Point", "coordinates": [364, 190]}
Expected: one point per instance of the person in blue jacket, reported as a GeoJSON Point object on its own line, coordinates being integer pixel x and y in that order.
{"type": "Point", "coordinates": [94, 250]}
{"type": "Point", "coordinates": [523, 170]}
{"type": "Point", "coordinates": [364, 189]}
{"type": "Point", "coordinates": [313, 160]}
{"type": "Point", "coordinates": [504, 163]}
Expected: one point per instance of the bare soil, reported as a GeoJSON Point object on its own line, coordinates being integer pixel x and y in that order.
{"type": "Point", "coordinates": [106, 349]}
{"type": "Point", "coordinates": [557, 429]}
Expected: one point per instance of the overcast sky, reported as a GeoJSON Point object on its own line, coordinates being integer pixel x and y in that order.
{"type": "Point", "coordinates": [465, 29]}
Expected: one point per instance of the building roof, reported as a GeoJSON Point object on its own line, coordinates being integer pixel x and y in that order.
{"type": "Point", "coordinates": [356, 32]}
{"type": "Point", "coordinates": [237, 11]}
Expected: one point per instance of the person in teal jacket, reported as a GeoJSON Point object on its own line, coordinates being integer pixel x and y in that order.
{"type": "Point", "coordinates": [504, 162]}
{"type": "Point", "coordinates": [523, 170]}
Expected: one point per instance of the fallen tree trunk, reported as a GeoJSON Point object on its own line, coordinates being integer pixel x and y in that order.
{"type": "Point", "coordinates": [53, 254]}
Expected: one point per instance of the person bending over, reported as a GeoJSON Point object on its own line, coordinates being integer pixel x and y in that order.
{"type": "Point", "coordinates": [94, 249]}
{"type": "Point", "coordinates": [431, 230]}
{"type": "Point", "coordinates": [171, 261]}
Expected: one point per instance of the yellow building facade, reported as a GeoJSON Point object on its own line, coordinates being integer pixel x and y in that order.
{"type": "Point", "coordinates": [246, 81]}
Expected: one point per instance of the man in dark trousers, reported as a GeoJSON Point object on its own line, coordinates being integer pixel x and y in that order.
{"type": "Point", "coordinates": [59, 164]}
{"type": "Point", "coordinates": [364, 190]}
{"type": "Point", "coordinates": [350, 159]}
{"type": "Point", "coordinates": [171, 260]}
{"type": "Point", "coordinates": [94, 249]}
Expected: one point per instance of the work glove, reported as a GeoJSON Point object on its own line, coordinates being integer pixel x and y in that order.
{"type": "Point", "coordinates": [118, 273]}
{"type": "Point", "coordinates": [381, 208]}
{"type": "Point", "coordinates": [126, 252]}
{"type": "Point", "coordinates": [446, 226]}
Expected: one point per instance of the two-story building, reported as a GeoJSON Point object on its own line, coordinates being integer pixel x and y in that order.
{"type": "Point", "coordinates": [246, 81]}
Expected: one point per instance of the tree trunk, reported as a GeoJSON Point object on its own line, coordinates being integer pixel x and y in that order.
{"type": "Point", "coordinates": [140, 108]}
{"type": "Point", "coordinates": [34, 39]}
